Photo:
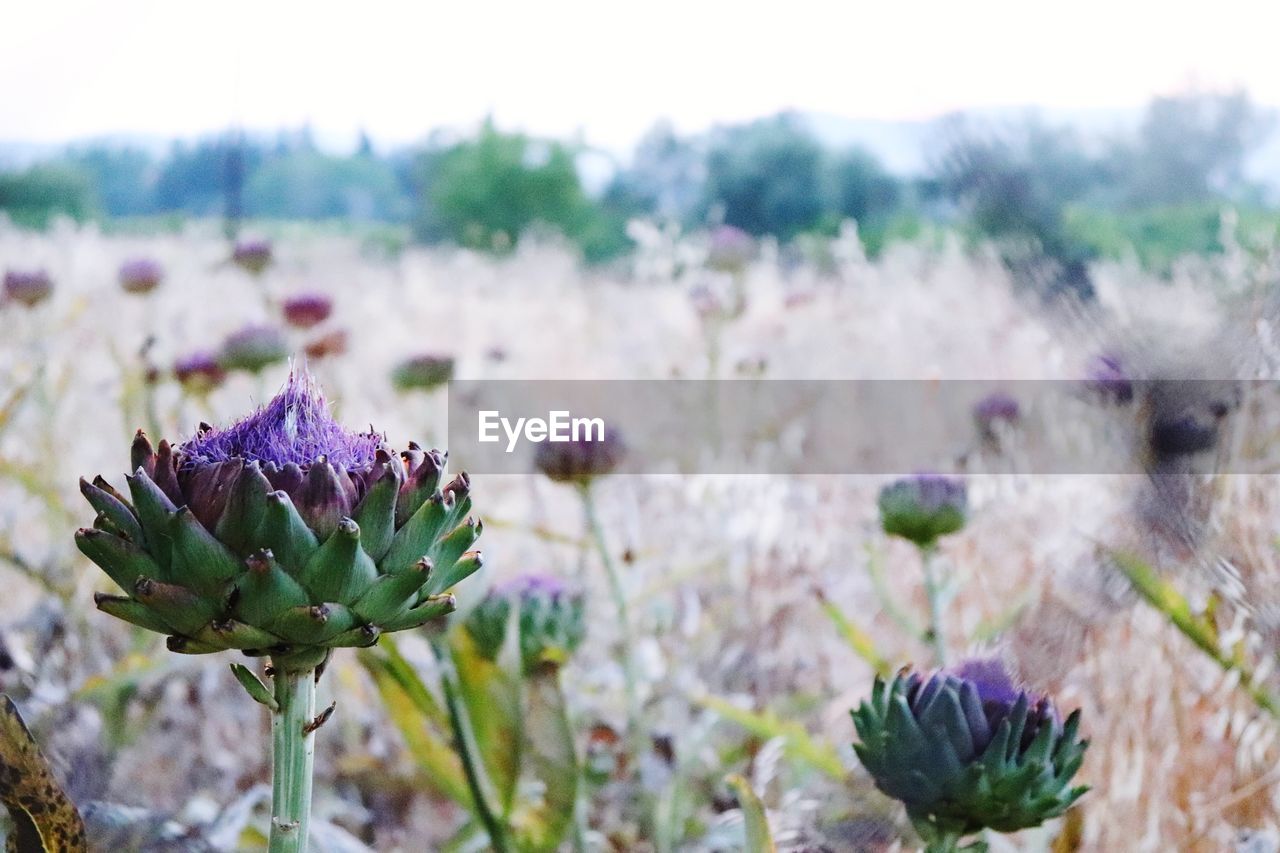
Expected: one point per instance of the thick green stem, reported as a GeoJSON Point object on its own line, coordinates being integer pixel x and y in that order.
{"type": "Point", "coordinates": [292, 760]}
{"type": "Point", "coordinates": [942, 841]}
{"type": "Point", "coordinates": [937, 630]}
{"type": "Point", "coordinates": [619, 595]}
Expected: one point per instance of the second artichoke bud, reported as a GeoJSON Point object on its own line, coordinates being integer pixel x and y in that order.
{"type": "Point", "coordinates": [923, 508]}
{"type": "Point", "coordinates": [549, 618]}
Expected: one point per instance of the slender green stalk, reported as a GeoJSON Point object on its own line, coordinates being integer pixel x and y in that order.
{"type": "Point", "coordinates": [292, 760]}
{"type": "Point", "coordinates": [1196, 627]}
{"type": "Point", "coordinates": [936, 632]}
{"type": "Point", "coordinates": [876, 571]}
{"type": "Point", "coordinates": [468, 752]}
{"type": "Point", "coordinates": [619, 595]}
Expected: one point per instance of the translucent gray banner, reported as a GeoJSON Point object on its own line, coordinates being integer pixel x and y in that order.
{"type": "Point", "coordinates": [1110, 426]}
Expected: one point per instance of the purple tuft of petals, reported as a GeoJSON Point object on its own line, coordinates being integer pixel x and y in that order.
{"type": "Point", "coordinates": [990, 677]}
{"type": "Point", "coordinates": [294, 427]}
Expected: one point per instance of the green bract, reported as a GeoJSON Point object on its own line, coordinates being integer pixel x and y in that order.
{"type": "Point", "coordinates": [282, 535]}
{"type": "Point", "coordinates": [966, 750]}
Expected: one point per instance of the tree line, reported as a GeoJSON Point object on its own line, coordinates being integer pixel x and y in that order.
{"type": "Point", "coordinates": [1156, 188]}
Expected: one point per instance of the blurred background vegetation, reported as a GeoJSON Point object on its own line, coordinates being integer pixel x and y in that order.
{"type": "Point", "coordinates": [1157, 190]}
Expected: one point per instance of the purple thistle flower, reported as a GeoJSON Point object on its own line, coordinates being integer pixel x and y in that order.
{"type": "Point", "coordinates": [997, 694]}
{"type": "Point", "coordinates": [997, 406]}
{"type": "Point", "coordinates": [968, 748]}
{"type": "Point", "coordinates": [282, 534]}
{"type": "Point", "coordinates": [296, 428]}
{"type": "Point", "coordinates": [140, 275]}
{"type": "Point", "coordinates": [550, 622]}
{"type": "Point", "coordinates": [580, 461]}
{"type": "Point", "coordinates": [991, 679]}
{"type": "Point", "coordinates": [1108, 380]}
{"type": "Point", "coordinates": [253, 255]}
{"type": "Point", "coordinates": [199, 372]}
{"type": "Point", "coordinates": [30, 287]}
{"type": "Point", "coordinates": [995, 412]}
{"type": "Point", "coordinates": [730, 249]}
{"type": "Point", "coordinates": [253, 348]}
{"type": "Point", "coordinates": [923, 507]}
{"type": "Point", "coordinates": [307, 309]}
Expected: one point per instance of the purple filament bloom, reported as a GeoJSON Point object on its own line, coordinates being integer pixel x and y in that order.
{"type": "Point", "coordinates": [991, 679]}
{"type": "Point", "coordinates": [294, 427]}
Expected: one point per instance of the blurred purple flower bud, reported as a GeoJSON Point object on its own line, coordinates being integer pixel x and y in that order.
{"type": "Point", "coordinates": [307, 309]}
{"type": "Point", "coordinates": [253, 255]}
{"type": "Point", "coordinates": [730, 249]}
{"type": "Point", "coordinates": [1108, 380]}
{"type": "Point", "coordinates": [995, 412]}
{"type": "Point", "coordinates": [923, 507]}
{"type": "Point", "coordinates": [253, 348]}
{"type": "Point", "coordinates": [30, 287]}
{"type": "Point", "coordinates": [580, 461]}
{"type": "Point", "coordinates": [199, 372]}
{"type": "Point", "coordinates": [140, 275]}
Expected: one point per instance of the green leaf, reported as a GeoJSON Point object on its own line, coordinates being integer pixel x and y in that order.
{"type": "Point", "coordinates": [254, 686]}
{"type": "Point", "coordinates": [551, 759]}
{"type": "Point", "coordinates": [859, 640]}
{"type": "Point", "coordinates": [419, 718]}
{"type": "Point", "coordinates": [757, 825]}
{"type": "Point", "coordinates": [491, 694]}
{"type": "Point", "coordinates": [1197, 628]}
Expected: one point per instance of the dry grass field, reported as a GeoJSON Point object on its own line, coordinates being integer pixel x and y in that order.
{"type": "Point", "coordinates": [726, 576]}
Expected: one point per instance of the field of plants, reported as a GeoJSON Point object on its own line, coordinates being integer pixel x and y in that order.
{"type": "Point", "coordinates": [641, 662]}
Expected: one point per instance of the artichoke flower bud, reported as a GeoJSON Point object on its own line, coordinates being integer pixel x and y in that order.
{"type": "Point", "coordinates": [731, 249]}
{"type": "Point", "coordinates": [549, 619]}
{"type": "Point", "coordinates": [140, 275]}
{"type": "Point", "coordinates": [252, 255]}
{"type": "Point", "coordinates": [422, 372]}
{"type": "Point", "coordinates": [580, 461]}
{"type": "Point", "coordinates": [995, 412]}
{"type": "Point", "coordinates": [199, 372]}
{"type": "Point", "coordinates": [30, 287]}
{"type": "Point", "coordinates": [923, 508]}
{"type": "Point", "coordinates": [282, 534]}
{"type": "Point", "coordinates": [253, 349]}
{"type": "Point", "coordinates": [307, 309]}
{"type": "Point", "coordinates": [967, 749]}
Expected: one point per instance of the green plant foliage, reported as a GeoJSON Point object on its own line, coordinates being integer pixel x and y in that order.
{"type": "Point", "coordinates": [486, 192]}
{"type": "Point", "coordinates": [758, 838]}
{"type": "Point", "coordinates": [32, 198]}
{"type": "Point", "coordinates": [492, 737]}
{"type": "Point", "coordinates": [767, 176]}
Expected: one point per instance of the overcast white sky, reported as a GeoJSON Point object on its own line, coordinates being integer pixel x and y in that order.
{"type": "Point", "coordinates": [76, 68]}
